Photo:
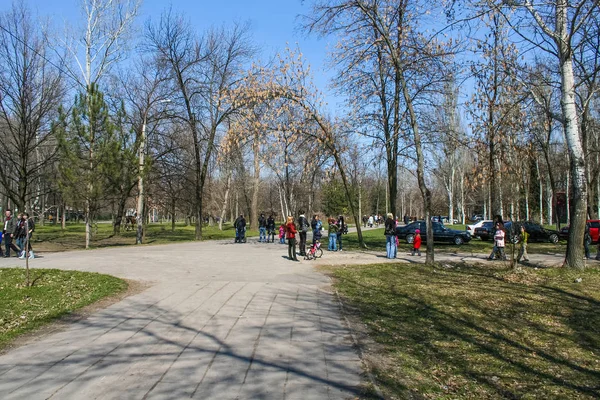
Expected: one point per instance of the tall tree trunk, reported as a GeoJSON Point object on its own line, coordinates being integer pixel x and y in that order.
{"type": "Point", "coordinates": [425, 192]}
{"type": "Point", "coordinates": [119, 215]}
{"type": "Point", "coordinates": [578, 206]}
{"type": "Point", "coordinates": [255, 182]}
{"type": "Point", "coordinates": [225, 200]}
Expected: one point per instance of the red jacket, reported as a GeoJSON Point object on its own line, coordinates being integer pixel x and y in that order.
{"type": "Point", "coordinates": [290, 231]}
{"type": "Point", "coordinates": [417, 241]}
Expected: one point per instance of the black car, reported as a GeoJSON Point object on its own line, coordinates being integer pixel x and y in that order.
{"type": "Point", "coordinates": [537, 233]}
{"type": "Point", "coordinates": [440, 233]}
{"type": "Point", "coordinates": [485, 231]}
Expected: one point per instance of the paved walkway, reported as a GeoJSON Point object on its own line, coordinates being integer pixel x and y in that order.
{"type": "Point", "coordinates": [220, 321]}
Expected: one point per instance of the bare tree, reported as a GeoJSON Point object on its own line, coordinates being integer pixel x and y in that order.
{"type": "Point", "coordinates": [555, 28]}
{"type": "Point", "coordinates": [31, 90]}
{"type": "Point", "coordinates": [204, 70]}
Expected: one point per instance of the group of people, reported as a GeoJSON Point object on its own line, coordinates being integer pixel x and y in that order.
{"type": "Point", "coordinates": [372, 220]}
{"type": "Point", "coordinates": [17, 234]}
{"type": "Point", "coordinates": [391, 239]}
{"type": "Point", "coordinates": [289, 230]}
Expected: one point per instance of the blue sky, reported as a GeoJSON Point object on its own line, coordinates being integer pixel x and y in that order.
{"type": "Point", "coordinates": [273, 23]}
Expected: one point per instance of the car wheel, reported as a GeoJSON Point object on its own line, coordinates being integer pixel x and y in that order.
{"type": "Point", "coordinates": [410, 238]}
{"type": "Point", "coordinates": [458, 240]}
{"type": "Point", "coordinates": [553, 238]}
{"type": "Point", "coordinates": [515, 239]}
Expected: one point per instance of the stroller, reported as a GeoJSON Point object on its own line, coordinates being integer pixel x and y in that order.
{"type": "Point", "coordinates": [314, 252]}
{"type": "Point", "coordinates": [240, 235]}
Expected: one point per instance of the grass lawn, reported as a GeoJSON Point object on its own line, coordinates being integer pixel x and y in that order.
{"type": "Point", "coordinates": [478, 332]}
{"type": "Point", "coordinates": [53, 238]}
{"type": "Point", "coordinates": [375, 240]}
{"type": "Point", "coordinates": [54, 293]}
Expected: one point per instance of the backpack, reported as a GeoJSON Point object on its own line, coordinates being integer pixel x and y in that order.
{"type": "Point", "coordinates": [304, 225]}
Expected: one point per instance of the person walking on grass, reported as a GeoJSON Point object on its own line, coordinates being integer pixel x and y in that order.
{"type": "Point", "coordinates": [9, 234]}
{"type": "Point", "coordinates": [523, 249]}
{"type": "Point", "coordinates": [290, 232]}
{"type": "Point", "coordinates": [390, 237]}
{"type": "Point", "coordinates": [417, 243]}
{"type": "Point", "coordinates": [498, 249]}
{"type": "Point", "coordinates": [332, 230]}
{"type": "Point", "coordinates": [262, 228]}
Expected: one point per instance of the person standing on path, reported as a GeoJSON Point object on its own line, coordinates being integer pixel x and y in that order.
{"type": "Point", "coordinates": [262, 228]}
{"type": "Point", "coordinates": [498, 243]}
{"type": "Point", "coordinates": [417, 243]}
{"type": "Point", "coordinates": [523, 249]}
{"type": "Point", "coordinates": [341, 223]}
{"type": "Point", "coordinates": [28, 228]}
{"type": "Point", "coordinates": [20, 233]}
{"type": "Point", "coordinates": [271, 228]}
{"type": "Point", "coordinates": [332, 230]}
{"type": "Point", "coordinates": [9, 232]}
{"type": "Point", "coordinates": [390, 237]}
{"type": "Point", "coordinates": [303, 226]}
{"type": "Point", "coordinates": [290, 229]}
{"type": "Point", "coordinates": [317, 226]}
{"type": "Point", "coordinates": [240, 229]}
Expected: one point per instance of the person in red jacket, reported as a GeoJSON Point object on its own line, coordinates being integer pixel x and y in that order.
{"type": "Point", "coordinates": [417, 243]}
{"type": "Point", "coordinates": [290, 234]}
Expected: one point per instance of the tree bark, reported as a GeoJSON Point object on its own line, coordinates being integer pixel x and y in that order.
{"type": "Point", "coordinates": [578, 206]}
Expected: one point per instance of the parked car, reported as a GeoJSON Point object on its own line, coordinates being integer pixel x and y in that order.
{"type": "Point", "coordinates": [537, 233]}
{"type": "Point", "coordinates": [476, 218]}
{"type": "Point", "coordinates": [471, 228]}
{"type": "Point", "coordinates": [594, 231]}
{"type": "Point", "coordinates": [485, 231]}
{"type": "Point", "coordinates": [440, 233]}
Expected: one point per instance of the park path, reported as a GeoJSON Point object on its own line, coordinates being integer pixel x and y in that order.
{"type": "Point", "coordinates": [220, 320]}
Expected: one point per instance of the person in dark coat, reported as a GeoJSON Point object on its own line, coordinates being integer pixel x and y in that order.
{"type": "Point", "coordinates": [240, 228]}
{"type": "Point", "coordinates": [271, 228]}
{"type": "Point", "coordinates": [9, 234]}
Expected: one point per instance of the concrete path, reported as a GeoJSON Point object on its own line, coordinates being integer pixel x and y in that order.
{"type": "Point", "coordinates": [220, 321]}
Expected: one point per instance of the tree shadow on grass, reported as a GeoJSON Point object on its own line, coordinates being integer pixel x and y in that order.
{"type": "Point", "coordinates": [470, 333]}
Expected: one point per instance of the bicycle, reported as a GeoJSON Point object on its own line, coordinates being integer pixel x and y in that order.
{"type": "Point", "coordinates": [314, 252]}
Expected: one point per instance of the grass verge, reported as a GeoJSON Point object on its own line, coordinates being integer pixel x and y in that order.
{"type": "Point", "coordinates": [478, 332]}
{"type": "Point", "coordinates": [375, 240]}
{"type": "Point", "coordinates": [54, 238]}
{"type": "Point", "coordinates": [53, 294]}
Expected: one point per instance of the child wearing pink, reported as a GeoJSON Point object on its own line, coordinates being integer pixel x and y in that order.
{"type": "Point", "coordinates": [282, 234]}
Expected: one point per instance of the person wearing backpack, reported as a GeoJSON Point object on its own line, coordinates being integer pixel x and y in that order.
{"type": "Point", "coordinates": [303, 227]}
